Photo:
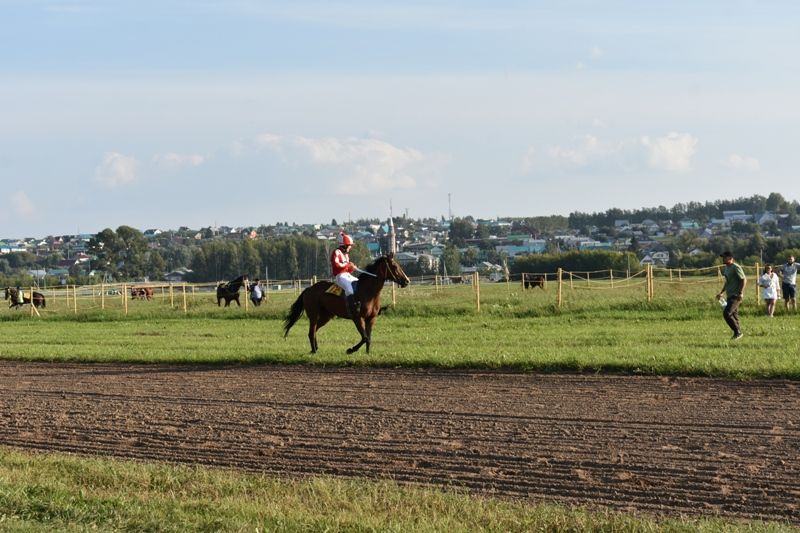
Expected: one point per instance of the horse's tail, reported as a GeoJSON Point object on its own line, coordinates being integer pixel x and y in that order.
{"type": "Point", "coordinates": [294, 314]}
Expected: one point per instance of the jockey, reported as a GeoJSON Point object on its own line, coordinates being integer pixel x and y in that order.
{"type": "Point", "coordinates": [342, 270]}
{"type": "Point", "coordinates": [20, 295]}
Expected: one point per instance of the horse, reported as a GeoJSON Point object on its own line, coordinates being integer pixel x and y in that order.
{"type": "Point", "coordinates": [230, 291]}
{"type": "Point", "coordinates": [533, 282]}
{"type": "Point", "coordinates": [38, 298]}
{"type": "Point", "coordinates": [321, 306]}
{"type": "Point", "coordinates": [145, 293]}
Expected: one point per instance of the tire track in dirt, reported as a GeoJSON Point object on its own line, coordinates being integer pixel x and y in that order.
{"type": "Point", "coordinates": [661, 445]}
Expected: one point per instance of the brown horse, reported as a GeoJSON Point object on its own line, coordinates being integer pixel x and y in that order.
{"type": "Point", "coordinates": [145, 293]}
{"type": "Point", "coordinates": [532, 282]}
{"type": "Point", "coordinates": [320, 306]}
{"type": "Point", "coordinates": [38, 298]}
{"type": "Point", "coordinates": [230, 291]}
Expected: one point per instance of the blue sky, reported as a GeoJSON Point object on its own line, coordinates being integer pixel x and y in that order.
{"type": "Point", "coordinates": [159, 114]}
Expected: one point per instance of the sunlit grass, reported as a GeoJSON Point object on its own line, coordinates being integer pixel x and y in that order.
{"type": "Point", "coordinates": [57, 492]}
{"type": "Point", "coordinates": [680, 331]}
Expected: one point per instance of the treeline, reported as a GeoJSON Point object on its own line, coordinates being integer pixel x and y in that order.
{"type": "Point", "coordinates": [127, 255]}
{"type": "Point", "coordinates": [284, 258]}
{"type": "Point", "coordinates": [699, 212]}
{"type": "Point", "coordinates": [575, 261]}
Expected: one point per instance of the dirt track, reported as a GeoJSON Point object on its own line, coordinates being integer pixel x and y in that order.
{"type": "Point", "coordinates": [669, 446]}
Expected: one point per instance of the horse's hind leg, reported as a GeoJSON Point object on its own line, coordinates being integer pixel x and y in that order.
{"type": "Point", "coordinates": [313, 327]}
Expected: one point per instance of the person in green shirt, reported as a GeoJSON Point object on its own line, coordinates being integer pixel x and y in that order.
{"type": "Point", "coordinates": [735, 282]}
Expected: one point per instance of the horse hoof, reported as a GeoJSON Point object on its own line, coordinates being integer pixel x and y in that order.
{"type": "Point", "coordinates": [350, 351]}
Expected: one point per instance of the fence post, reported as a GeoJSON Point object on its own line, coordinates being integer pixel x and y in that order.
{"type": "Point", "coordinates": [75, 297]}
{"type": "Point", "coordinates": [476, 281]}
{"type": "Point", "coordinates": [394, 296]}
{"type": "Point", "coordinates": [125, 298]}
{"type": "Point", "coordinates": [171, 296]}
{"type": "Point", "coordinates": [758, 292]}
{"type": "Point", "coordinates": [102, 295]}
{"type": "Point", "coordinates": [647, 274]}
{"type": "Point", "coordinates": [523, 280]}
{"type": "Point", "coordinates": [183, 286]}
{"type": "Point", "coordinates": [570, 280]}
{"type": "Point", "coordinates": [611, 276]}
{"type": "Point", "coordinates": [560, 283]}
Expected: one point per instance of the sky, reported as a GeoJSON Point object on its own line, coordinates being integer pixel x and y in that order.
{"type": "Point", "coordinates": [170, 113]}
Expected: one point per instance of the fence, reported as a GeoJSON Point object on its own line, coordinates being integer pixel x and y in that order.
{"type": "Point", "coordinates": [451, 294]}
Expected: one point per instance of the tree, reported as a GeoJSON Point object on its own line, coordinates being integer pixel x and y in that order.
{"type": "Point", "coordinates": [461, 229]}
{"type": "Point", "coordinates": [451, 259]}
{"type": "Point", "coordinates": [155, 265]}
{"type": "Point", "coordinates": [132, 250]}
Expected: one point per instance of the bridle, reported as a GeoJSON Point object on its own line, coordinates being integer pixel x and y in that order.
{"type": "Point", "coordinates": [392, 275]}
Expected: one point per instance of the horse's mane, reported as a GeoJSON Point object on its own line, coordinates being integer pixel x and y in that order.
{"type": "Point", "coordinates": [372, 268]}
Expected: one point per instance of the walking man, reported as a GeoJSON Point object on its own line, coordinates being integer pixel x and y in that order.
{"type": "Point", "coordinates": [789, 285]}
{"type": "Point", "coordinates": [733, 290]}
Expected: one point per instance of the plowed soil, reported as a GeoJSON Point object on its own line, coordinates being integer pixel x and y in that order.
{"type": "Point", "coordinates": [669, 446]}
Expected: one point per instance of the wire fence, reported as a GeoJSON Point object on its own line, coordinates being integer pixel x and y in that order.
{"type": "Point", "coordinates": [451, 294]}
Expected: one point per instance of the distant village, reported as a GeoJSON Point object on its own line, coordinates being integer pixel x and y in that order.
{"type": "Point", "coordinates": [485, 245]}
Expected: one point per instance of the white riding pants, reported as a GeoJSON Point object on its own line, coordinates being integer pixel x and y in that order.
{"type": "Point", "coordinates": [345, 281]}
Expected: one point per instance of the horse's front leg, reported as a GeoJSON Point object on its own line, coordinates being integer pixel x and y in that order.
{"type": "Point", "coordinates": [359, 322]}
{"type": "Point", "coordinates": [368, 331]}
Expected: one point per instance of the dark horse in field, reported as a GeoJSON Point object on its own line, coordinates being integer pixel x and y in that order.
{"type": "Point", "coordinates": [38, 298]}
{"type": "Point", "coordinates": [532, 282]}
{"type": "Point", "coordinates": [320, 306]}
{"type": "Point", "coordinates": [145, 293]}
{"type": "Point", "coordinates": [230, 291]}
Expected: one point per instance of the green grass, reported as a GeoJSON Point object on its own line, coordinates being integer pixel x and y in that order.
{"type": "Point", "coordinates": [681, 332]}
{"type": "Point", "coordinates": [596, 328]}
{"type": "Point", "coordinates": [57, 492]}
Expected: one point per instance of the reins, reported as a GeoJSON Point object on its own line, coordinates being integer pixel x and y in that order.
{"type": "Point", "coordinates": [389, 270]}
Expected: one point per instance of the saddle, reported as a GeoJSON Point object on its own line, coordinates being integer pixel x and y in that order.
{"type": "Point", "coordinates": [338, 291]}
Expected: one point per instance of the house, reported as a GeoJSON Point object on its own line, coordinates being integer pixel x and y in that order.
{"type": "Point", "coordinates": [658, 258]}
{"type": "Point", "coordinates": [736, 216]}
{"type": "Point", "coordinates": [178, 275]}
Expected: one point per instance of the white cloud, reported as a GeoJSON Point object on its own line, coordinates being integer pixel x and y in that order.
{"type": "Point", "coordinates": [596, 52]}
{"type": "Point", "coordinates": [173, 160]}
{"type": "Point", "coordinates": [589, 149]}
{"type": "Point", "coordinates": [22, 204]}
{"type": "Point", "coordinates": [672, 152]}
{"type": "Point", "coordinates": [360, 165]}
{"type": "Point", "coordinates": [116, 169]}
{"type": "Point", "coordinates": [742, 163]}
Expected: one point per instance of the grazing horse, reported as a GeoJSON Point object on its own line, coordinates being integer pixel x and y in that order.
{"type": "Point", "coordinates": [38, 298]}
{"type": "Point", "coordinates": [535, 281]}
{"type": "Point", "coordinates": [320, 305]}
{"type": "Point", "coordinates": [230, 291]}
{"type": "Point", "coordinates": [145, 293]}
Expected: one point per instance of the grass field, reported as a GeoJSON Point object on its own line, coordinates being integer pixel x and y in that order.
{"type": "Point", "coordinates": [597, 328]}
{"type": "Point", "coordinates": [680, 332]}
{"type": "Point", "coordinates": [56, 492]}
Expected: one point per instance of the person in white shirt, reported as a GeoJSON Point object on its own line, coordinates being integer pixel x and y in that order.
{"type": "Point", "coordinates": [256, 295]}
{"type": "Point", "coordinates": [788, 287]}
{"type": "Point", "coordinates": [769, 289]}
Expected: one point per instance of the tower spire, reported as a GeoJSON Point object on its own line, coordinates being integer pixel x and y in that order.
{"type": "Point", "coordinates": [392, 237]}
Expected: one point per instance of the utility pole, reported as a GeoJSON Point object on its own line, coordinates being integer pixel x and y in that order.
{"type": "Point", "coordinates": [449, 208]}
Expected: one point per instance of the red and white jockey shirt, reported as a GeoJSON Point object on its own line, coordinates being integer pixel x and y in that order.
{"type": "Point", "coordinates": [340, 262]}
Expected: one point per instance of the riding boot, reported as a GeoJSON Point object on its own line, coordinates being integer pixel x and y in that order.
{"type": "Point", "coordinates": [353, 306]}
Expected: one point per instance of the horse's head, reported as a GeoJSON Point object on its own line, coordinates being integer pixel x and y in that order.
{"type": "Point", "coordinates": [394, 272]}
